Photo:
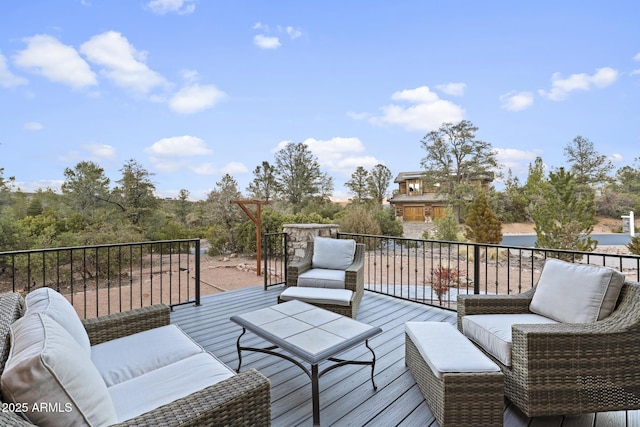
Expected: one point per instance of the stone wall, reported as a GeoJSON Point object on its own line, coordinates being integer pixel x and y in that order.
{"type": "Point", "coordinates": [300, 234]}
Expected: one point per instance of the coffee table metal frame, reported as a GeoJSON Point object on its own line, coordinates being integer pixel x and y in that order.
{"type": "Point", "coordinates": [295, 313]}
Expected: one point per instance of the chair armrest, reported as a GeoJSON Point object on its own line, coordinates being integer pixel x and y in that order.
{"type": "Point", "coordinates": [117, 325]}
{"type": "Point", "coordinates": [242, 400]}
{"type": "Point", "coordinates": [606, 349]}
{"type": "Point", "coordinates": [297, 268]}
{"type": "Point", "coordinates": [11, 419]}
{"type": "Point", "coordinates": [354, 274]}
{"type": "Point", "coordinates": [493, 304]}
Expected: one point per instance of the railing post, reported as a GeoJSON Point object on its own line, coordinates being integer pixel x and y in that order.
{"type": "Point", "coordinates": [285, 239]}
{"type": "Point", "coordinates": [265, 250]}
{"type": "Point", "coordinates": [476, 269]}
{"type": "Point", "coordinates": [197, 275]}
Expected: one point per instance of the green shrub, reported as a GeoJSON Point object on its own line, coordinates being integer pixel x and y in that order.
{"type": "Point", "coordinates": [634, 245]}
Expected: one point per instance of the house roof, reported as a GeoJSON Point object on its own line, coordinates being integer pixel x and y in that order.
{"type": "Point", "coordinates": [403, 176]}
{"type": "Point", "coordinates": [426, 197]}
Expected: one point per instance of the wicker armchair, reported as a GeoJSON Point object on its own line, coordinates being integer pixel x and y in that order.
{"type": "Point", "coordinates": [569, 368]}
{"type": "Point", "coordinates": [354, 279]}
{"type": "Point", "coordinates": [244, 399]}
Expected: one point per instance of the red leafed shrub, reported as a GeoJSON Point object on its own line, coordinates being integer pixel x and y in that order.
{"type": "Point", "coordinates": [442, 278]}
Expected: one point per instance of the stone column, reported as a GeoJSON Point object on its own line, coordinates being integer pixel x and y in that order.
{"type": "Point", "coordinates": [300, 234]}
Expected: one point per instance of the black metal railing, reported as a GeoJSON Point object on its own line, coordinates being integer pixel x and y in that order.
{"type": "Point", "coordinates": [435, 272]}
{"type": "Point", "coordinates": [274, 258]}
{"type": "Point", "coordinates": [104, 279]}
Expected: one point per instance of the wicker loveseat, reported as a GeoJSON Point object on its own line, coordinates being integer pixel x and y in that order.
{"type": "Point", "coordinates": [240, 399]}
{"type": "Point", "coordinates": [568, 368]}
{"type": "Point", "coordinates": [316, 279]}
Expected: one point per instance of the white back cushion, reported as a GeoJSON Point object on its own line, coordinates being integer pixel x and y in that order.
{"type": "Point", "coordinates": [46, 366]}
{"type": "Point", "coordinates": [334, 254]}
{"type": "Point", "coordinates": [576, 293]}
{"type": "Point", "coordinates": [49, 302]}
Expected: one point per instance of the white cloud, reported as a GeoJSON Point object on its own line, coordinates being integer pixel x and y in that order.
{"type": "Point", "coordinates": [358, 116]}
{"type": "Point", "coordinates": [266, 42]}
{"type": "Point", "coordinates": [293, 32]}
{"type": "Point", "coordinates": [32, 126]}
{"type": "Point", "coordinates": [516, 160]}
{"type": "Point", "coordinates": [122, 63]}
{"type": "Point", "coordinates": [428, 113]}
{"type": "Point", "coordinates": [101, 151]}
{"type": "Point", "coordinates": [179, 146]}
{"type": "Point", "coordinates": [60, 63]}
{"type": "Point", "coordinates": [182, 7]}
{"type": "Point", "coordinates": [91, 152]}
{"type": "Point", "coordinates": [260, 26]}
{"type": "Point", "coordinates": [210, 169]}
{"type": "Point", "coordinates": [616, 158]}
{"type": "Point", "coordinates": [561, 88]}
{"type": "Point", "coordinates": [169, 154]}
{"type": "Point", "coordinates": [195, 98]}
{"type": "Point", "coordinates": [453, 89]}
{"type": "Point", "coordinates": [190, 76]}
{"type": "Point", "coordinates": [637, 71]}
{"type": "Point", "coordinates": [516, 101]}
{"type": "Point", "coordinates": [33, 186]}
{"type": "Point", "coordinates": [234, 168]}
{"type": "Point", "coordinates": [340, 154]}
{"type": "Point", "coordinates": [7, 78]}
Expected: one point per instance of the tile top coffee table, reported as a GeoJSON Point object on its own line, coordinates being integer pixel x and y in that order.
{"type": "Point", "coordinates": [309, 333]}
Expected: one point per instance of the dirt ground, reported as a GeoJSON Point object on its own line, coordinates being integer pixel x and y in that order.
{"type": "Point", "coordinates": [226, 273]}
{"type": "Point", "coordinates": [222, 273]}
{"type": "Point", "coordinates": [604, 225]}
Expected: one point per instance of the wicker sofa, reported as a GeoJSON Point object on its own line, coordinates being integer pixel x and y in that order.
{"type": "Point", "coordinates": [240, 399]}
{"type": "Point", "coordinates": [563, 368]}
{"type": "Point", "coordinates": [342, 298]}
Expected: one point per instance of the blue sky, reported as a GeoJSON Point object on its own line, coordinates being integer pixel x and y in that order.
{"type": "Point", "coordinates": [196, 89]}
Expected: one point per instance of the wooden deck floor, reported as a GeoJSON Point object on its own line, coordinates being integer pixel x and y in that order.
{"type": "Point", "coordinates": [347, 397]}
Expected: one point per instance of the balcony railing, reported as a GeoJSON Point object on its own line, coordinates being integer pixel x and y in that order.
{"type": "Point", "coordinates": [435, 272]}
{"type": "Point", "coordinates": [274, 259]}
{"type": "Point", "coordinates": [104, 279]}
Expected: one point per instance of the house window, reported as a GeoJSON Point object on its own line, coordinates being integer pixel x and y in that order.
{"type": "Point", "coordinates": [414, 187]}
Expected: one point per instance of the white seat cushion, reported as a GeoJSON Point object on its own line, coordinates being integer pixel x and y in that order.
{"type": "Point", "coordinates": [492, 332]}
{"type": "Point", "coordinates": [446, 350]}
{"type": "Point", "coordinates": [322, 278]}
{"type": "Point", "coordinates": [53, 304]}
{"type": "Point", "coordinates": [333, 254]}
{"type": "Point", "coordinates": [164, 385]}
{"type": "Point", "coordinates": [576, 293]}
{"type": "Point", "coordinates": [46, 366]}
{"type": "Point", "coordinates": [128, 357]}
{"type": "Point", "coordinates": [318, 295]}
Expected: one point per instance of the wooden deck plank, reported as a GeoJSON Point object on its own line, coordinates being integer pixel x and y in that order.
{"type": "Point", "coordinates": [346, 394]}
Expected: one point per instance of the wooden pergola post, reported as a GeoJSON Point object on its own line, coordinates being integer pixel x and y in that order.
{"type": "Point", "coordinates": [257, 220]}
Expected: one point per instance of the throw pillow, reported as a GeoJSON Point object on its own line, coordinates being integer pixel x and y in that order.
{"type": "Point", "coordinates": [52, 379]}
{"type": "Point", "coordinates": [576, 293]}
{"type": "Point", "coordinates": [333, 254]}
{"type": "Point", "coordinates": [49, 302]}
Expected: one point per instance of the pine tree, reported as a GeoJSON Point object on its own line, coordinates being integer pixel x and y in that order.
{"type": "Point", "coordinates": [447, 228]}
{"type": "Point", "coordinates": [564, 216]}
{"type": "Point", "coordinates": [482, 224]}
